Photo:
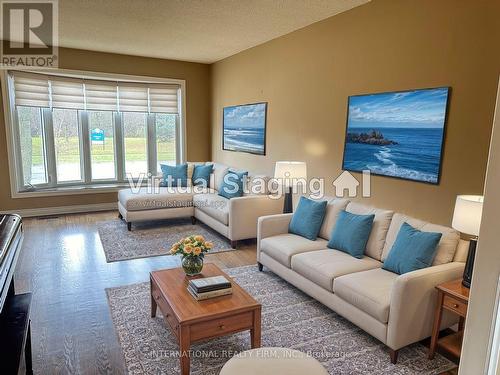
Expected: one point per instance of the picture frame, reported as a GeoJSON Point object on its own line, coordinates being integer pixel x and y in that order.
{"type": "Point", "coordinates": [410, 131]}
{"type": "Point", "coordinates": [244, 128]}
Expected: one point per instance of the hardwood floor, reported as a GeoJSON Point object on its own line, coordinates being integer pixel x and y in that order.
{"type": "Point", "coordinates": [63, 264]}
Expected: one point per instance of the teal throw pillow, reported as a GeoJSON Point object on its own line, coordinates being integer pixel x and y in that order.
{"type": "Point", "coordinates": [174, 176]}
{"type": "Point", "coordinates": [351, 233]}
{"type": "Point", "coordinates": [412, 250]}
{"type": "Point", "coordinates": [232, 185]}
{"type": "Point", "coordinates": [307, 218]}
{"type": "Point", "coordinates": [201, 174]}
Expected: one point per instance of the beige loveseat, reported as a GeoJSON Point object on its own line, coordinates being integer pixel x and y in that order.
{"type": "Point", "coordinates": [234, 218]}
{"type": "Point", "coordinates": [396, 309]}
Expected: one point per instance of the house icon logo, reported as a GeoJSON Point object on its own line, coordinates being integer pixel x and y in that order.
{"type": "Point", "coordinates": [346, 182]}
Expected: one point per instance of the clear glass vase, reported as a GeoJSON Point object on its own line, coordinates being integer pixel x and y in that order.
{"type": "Point", "coordinates": [192, 265]}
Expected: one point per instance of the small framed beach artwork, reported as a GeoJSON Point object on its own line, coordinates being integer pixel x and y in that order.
{"type": "Point", "coordinates": [397, 134]}
{"type": "Point", "coordinates": [244, 128]}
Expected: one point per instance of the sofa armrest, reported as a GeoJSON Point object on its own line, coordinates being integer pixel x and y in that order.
{"type": "Point", "coordinates": [272, 225]}
{"type": "Point", "coordinates": [413, 303]}
{"type": "Point", "coordinates": [245, 211]}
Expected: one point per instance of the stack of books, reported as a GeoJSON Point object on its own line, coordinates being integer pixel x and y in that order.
{"type": "Point", "coordinates": [209, 287]}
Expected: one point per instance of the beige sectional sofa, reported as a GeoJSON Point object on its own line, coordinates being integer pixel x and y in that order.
{"type": "Point", "coordinates": [234, 218]}
{"type": "Point", "coordinates": [396, 309]}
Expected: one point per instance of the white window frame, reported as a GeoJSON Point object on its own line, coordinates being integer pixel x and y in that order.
{"type": "Point", "coordinates": [87, 186]}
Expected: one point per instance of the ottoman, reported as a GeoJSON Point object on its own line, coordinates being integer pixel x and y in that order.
{"type": "Point", "coordinates": [145, 205]}
{"type": "Point", "coordinates": [273, 361]}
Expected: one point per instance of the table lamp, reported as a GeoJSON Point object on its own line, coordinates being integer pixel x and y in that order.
{"type": "Point", "coordinates": [467, 219]}
{"type": "Point", "coordinates": [287, 173]}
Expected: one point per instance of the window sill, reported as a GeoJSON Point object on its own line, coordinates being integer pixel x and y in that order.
{"type": "Point", "coordinates": [70, 190]}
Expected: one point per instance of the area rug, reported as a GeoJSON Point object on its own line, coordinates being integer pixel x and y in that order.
{"type": "Point", "coordinates": [289, 319]}
{"type": "Point", "coordinates": [150, 239]}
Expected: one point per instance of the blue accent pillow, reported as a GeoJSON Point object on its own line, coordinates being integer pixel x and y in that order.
{"type": "Point", "coordinates": [412, 250]}
{"type": "Point", "coordinates": [201, 174]}
{"type": "Point", "coordinates": [232, 185]}
{"type": "Point", "coordinates": [351, 233]}
{"type": "Point", "coordinates": [178, 175]}
{"type": "Point", "coordinates": [307, 218]}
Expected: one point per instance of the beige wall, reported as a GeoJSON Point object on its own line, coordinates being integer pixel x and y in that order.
{"type": "Point", "coordinates": [306, 77]}
{"type": "Point", "coordinates": [197, 78]}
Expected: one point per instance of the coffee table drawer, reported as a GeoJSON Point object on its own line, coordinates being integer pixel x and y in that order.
{"type": "Point", "coordinates": [166, 311]}
{"type": "Point", "coordinates": [221, 326]}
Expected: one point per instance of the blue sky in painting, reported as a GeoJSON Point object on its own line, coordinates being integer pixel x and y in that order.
{"type": "Point", "coordinates": [412, 109]}
{"type": "Point", "coordinates": [247, 116]}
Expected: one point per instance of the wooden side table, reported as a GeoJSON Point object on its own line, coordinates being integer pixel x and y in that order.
{"type": "Point", "coordinates": [454, 297]}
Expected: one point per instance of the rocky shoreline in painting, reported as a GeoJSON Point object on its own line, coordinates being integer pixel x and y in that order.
{"type": "Point", "coordinates": [373, 137]}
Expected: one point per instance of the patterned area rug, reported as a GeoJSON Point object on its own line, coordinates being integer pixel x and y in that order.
{"type": "Point", "coordinates": [289, 319]}
{"type": "Point", "coordinates": [150, 239]}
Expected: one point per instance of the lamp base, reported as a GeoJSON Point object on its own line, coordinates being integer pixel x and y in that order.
{"type": "Point", "coordinates": [466, 283]}
{"type": "Point", "coordinates": [469, 265]}
{"type": "Point", "coordinates": [288, 204]}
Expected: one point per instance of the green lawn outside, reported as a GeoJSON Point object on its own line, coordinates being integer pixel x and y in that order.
{"type": "Point", "coordinates": [134, 150]}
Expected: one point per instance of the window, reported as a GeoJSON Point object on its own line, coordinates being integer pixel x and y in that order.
{"type": "Point", "coordinates": [31, 144]}
{"type": "Point", "coordinates": [165, 139]}
{"type": "Point", "coordinates": [102, 145]}
{"type": "Point", "coordinates": [67, 144]}
{"type": "Point", "coordinates": [73, 131]}
{"type": "Point", "coordinates": [136, 143]}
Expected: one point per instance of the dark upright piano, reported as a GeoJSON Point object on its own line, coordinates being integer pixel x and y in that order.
{"type": "Point", "coordinates": [15, 331]}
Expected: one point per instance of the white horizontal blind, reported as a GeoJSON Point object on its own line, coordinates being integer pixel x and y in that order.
{"type": "Point", "coordinates": [101, 95]}
{"type": "Point", "coordinates": [67, 93]}
{"type": "Point", "coordinates": [132, 97]}
{"type": "Point", "coordinates": [31, 90]}
{"type": "Point", "coordinates": [163, 98]}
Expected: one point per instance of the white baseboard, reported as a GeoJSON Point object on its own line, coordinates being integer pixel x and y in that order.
{"type": "Point", "coordinates": [48, 211]}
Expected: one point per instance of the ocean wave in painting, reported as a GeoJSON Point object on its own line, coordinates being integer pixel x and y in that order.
{"type": "Point", "coordinates": [245, 127]}
{"type": "Point", "coordinates": [416, 155]}
{"type": "Point", "coordinates": [249, 140]}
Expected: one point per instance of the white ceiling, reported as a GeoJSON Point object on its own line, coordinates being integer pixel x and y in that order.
{"type": "Point", "coordinates": [192, 30]}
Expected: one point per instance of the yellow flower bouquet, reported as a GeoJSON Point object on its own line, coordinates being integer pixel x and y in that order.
{"type": "Point", "coordinates": [193, 250]}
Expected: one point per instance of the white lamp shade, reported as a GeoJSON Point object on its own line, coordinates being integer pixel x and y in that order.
{"type": "Point", "coordinates": [467, 215]}
{"type": "Point", "coordinates": [287, 170]}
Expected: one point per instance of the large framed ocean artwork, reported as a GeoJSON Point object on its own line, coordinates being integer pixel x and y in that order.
{"type": "Point", "coordinates": [244, 128]}
{"type": "Point", "coordinates": [397, 134]}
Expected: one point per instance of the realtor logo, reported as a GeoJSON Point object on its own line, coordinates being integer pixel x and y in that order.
{"type": "Point", "coordinates": [346, 182]}
{"type": "Point", "coordinates": [29, 34]}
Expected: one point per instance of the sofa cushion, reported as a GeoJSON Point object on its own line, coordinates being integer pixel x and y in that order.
{"type": "Point", "coordinates": [334, 206]}
{"type": "Point", "coordinates": [381, 223]}
{"type": "Point", "coordinates": [351, 233]}
{"type": "Point", "coordinates": [412, 250]}
{"type": "Point", "coordinates": [307, 218]}
{"type": "Point", "coordinates": [213, 205]}
{"type": "Point", "coordinates": [369, 291]}
{"type": "Point", "coordinates": [218, 174]}
{"type": "Point", "coordinates": [282, 247]}
{"type": "Point", "coordinates": [165, 198]}
{"type": "Point", "coordinates": [462, 251]}
{"type": "Point", "coordinates": [323, 266]}
{"type": "Point", "coordinates": [446, 247]}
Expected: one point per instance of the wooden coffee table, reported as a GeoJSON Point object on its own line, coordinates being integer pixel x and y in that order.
{"type": "Point", "coordinates": [192, 320]}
